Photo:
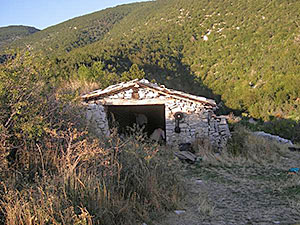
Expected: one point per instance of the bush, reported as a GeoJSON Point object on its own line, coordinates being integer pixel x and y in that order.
{"type": "Point", "coordinates": [285, 128]}
{"type": "Point", "coordinates": [53, 171]}
{"type": "Point", "coordinates": [85, 182]}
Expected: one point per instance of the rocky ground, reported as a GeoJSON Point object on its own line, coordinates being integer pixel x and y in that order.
{"type": "Point", "coordinates": [223, 191]}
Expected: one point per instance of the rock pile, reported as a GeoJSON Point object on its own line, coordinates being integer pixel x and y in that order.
{"type": "Point", "coordinates": [273, 137]}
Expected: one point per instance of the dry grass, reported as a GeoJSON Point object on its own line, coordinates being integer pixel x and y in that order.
{"type": "Point", "coordinates": [53, 171]}
{"type": "Point", "coordinates": [247, 183]}
{"type": "Point", "coordinates": [205, 206]}
{"type": "Point", "coordinates": [82, 86]}
{"type": "Point", "coordinates": [243, 148]}
{"type": "Point", "coordinates": [74, 180]}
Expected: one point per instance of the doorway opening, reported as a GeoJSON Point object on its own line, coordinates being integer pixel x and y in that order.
{"type": "Point", "coordinates": [125, 116]}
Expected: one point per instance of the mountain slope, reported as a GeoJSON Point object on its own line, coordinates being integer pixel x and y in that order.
{"type": "Point", "coordinates": [245, 53]}
{"type": "Point", "coordinates": [13, 33]}
{"type": "Point", "coordinates": [76, 32]}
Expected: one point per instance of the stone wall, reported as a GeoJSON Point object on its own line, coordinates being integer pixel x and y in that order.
{"type": "Point", "coordinates": [218, 131]}
{"type": "Point", "coordinates": [195, 122]}
{"type": "Point", "coordinates": [97, 118]}
{"type": "Point", "coordinates": [141, 93]}
{"type": "Point", "coordinates": [198, 120]}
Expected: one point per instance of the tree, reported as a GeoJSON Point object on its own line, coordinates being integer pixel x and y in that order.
{"type": "Point", "coordinates": [134, 73]}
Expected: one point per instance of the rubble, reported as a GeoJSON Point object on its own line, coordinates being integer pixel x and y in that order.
{"type": "Point", "coordinates": [273, 137]}
{"type": "Point", "coordinates": [186, 156]}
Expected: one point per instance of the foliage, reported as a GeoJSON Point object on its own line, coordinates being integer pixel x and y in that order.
{"type": "Point", "coordinates": [245, 54]}
{"type": "Point", "coordinates": [133, 73]}
{"type": "Point", "coordinates": [285, 128]}
{"type": "Point", "coordinates": [288, 129]}
{"type": "Point", "coordinates": [74, 33]}
{"type": "Point", "coordinates": [13, 33]}
{"type": "Point", "coordinates": [251, 57]}
{"type": "Point", "coordinates": [52, 171]}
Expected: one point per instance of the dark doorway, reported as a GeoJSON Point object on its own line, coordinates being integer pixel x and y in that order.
{"type": "Point", "coordinates": [125, 116]}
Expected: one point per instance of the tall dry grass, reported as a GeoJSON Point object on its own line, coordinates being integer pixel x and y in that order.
{"type": "Point", "coordinates": [54, 171]}
{"type": "Point", "coordinates": [243, 147]}
{"type": "Point", "coordinates": [72, 179]}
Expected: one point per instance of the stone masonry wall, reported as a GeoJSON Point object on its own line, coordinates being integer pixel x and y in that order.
{"type": "Point", "coordinates": [194, 123]}
{"type": "Point", "coordinates": [198, 121]}
{"type": "Point", "coordinates": [218, 131]}
{"type": "Point", "coordinates": [96, 115]}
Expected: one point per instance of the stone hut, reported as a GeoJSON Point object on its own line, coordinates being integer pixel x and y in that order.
{"type": "Point", "coordinates": [183, 117]}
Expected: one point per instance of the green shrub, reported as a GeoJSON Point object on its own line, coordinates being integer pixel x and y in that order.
{"type": "Point", "coordinates": [285, 128]}
{"type": "Point", "coordinates": [53, 171]}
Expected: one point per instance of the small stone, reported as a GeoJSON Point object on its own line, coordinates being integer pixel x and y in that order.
{"type": "Point", "coordinates": [179, 212]}
{"type": "Point", "coordinates": [199, 181]}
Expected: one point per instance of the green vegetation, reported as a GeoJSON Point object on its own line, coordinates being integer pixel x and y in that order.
{"type": "Point", "coordinates": [13, 33]}
{"type": "Point", "coordinates": [54, 171]}
{"type": "Point", "coordinates": [250, 59]}
{"type": "Point", "coordinates": [77, 32]}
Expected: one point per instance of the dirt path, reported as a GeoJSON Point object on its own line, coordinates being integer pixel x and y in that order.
{"type": "Point", "coordinates": [240, 194]}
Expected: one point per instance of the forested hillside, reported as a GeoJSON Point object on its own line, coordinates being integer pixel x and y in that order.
{"type": "Point", "coordinates": [243, 53]}
{"type": "Point", "coordinates": [76, 32]}
{"type": "Point", "coordinates": [12, 33]}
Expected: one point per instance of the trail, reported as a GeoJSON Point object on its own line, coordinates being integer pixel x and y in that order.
{"type": "Point", "coordinates": [240, 194]}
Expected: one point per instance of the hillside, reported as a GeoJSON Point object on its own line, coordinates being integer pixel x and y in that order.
{"type": "Point", "coordinates": [76, 32]}
{"type": "Point", "coordinates": [246, 52]}
{"type": "Point", "coordinates": [13, 33]}
{"type": "Point", "coordinates": [243, 53]}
